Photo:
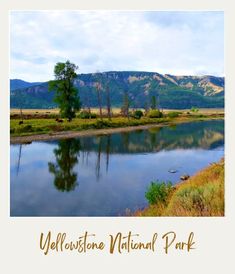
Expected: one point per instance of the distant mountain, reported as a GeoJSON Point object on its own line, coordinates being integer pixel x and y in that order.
{"type": "Point", "coordinates": [18, 84]}
{"type": "Point", "coordinates": [171, 91]}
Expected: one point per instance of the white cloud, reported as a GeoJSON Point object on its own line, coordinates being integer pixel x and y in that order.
{"type": "Point", "coordinates": [166, 42]}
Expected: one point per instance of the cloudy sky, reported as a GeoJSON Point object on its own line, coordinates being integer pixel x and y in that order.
{"type": "Point", "coordinates": [179, 43]}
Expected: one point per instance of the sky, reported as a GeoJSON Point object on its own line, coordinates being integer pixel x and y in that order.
{"type": "Point", "coordinates": [178, 43]}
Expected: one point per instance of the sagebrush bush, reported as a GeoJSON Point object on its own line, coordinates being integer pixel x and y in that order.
{"type": "Point", "coordinates": [202, 195]}
{"type": "Point", "coordinates": [158, 192]}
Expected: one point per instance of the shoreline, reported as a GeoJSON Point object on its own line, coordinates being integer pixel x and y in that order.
{"type": "Point", "coordinates": [82, 133]}
{"type": "Point", "coordinates": [197, 188]}
{"type": "Point", "coordinates": [91, 132]}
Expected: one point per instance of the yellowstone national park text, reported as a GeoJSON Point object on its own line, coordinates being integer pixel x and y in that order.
{"type": "Point", "coordinates": [119, 243]}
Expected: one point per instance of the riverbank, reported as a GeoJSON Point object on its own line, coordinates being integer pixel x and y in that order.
{"type": "Point", "coordinates": [200, 195]}
{"type": "Point", "coordinates": [49, 129]}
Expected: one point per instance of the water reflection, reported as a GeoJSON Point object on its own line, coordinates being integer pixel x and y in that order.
{"type": "Point", "coordinates": [66, 155]}
{"type": "Point", "coordinates": [19, 158]}
{"type": "Point", "coordinates": [112, 171]}
{"type": "Point", "coordinates": [203, 135]}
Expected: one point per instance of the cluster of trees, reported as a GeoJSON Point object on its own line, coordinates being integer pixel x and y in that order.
{"type": "Point", "coordinates": [67, 96]}
{"type": "Point", "coordinates": [68, 99]}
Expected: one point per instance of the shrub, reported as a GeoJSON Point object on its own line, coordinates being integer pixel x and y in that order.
{"type": "Point", "coordinates": [154, 113]}
{"type": "Point", "coordinates": [137, 114]}
{"type": "Point", "coordinates": [173, 114]}
{"type": "Point", "coordinates": [27, 128]}
{"type": "Point", "coordinates": [24, 129]}
{"type": "Point", "coordinates": [158, 192]}
{"type": "Point", "coordinates": [52, 116]}
{"type": "Point", "coordinates": [101, 124]}
{"type": "Point", "coordinates": [193, 109]}
{"type": "Point", "coordinates": [201, 116]}
{"type": "Point", "coordinates": [86, 115]}
{"type": "Point", "coordinates": [202, 195]}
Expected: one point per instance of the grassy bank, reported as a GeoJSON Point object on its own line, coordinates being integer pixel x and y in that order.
{"type": "Point", "coordinates": [34, 126]}
{"type": "Point", "coordinates": [42, 126]}
{"type": "Point", "coordinates": [201, 195]}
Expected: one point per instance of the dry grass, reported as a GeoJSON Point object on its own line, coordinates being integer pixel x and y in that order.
{"type": "Point", "coordinates": [115, 111]}
{"type": "Point", "coordinates": [201, 195]}
{"type": "Point", "coordinates": [34, 111]}
{"type": "Point", "coordinates": [56, 111]}
{"type": "Point", "coordinates": [206, 111]}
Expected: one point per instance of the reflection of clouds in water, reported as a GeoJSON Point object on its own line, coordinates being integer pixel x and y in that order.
{"type": "Point", "coordinates": [33, 152]}
{"type": "Point", "coordinates": [123, 186]}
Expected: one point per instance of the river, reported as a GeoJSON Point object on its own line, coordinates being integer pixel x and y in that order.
{"type": "Point", "coordinates": [107, 175]}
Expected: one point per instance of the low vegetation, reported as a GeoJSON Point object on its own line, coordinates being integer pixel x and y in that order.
{"type": "Point", "coordinates": [155, 113]}
{"type": "Point", "coordinates": [174, 114]}
{"type": "Point", "coordinates": [49, 121]}
{"type": "Point", "coordinates": [137, 114]}
{"type": "Point", "coordinates": [201, 195]}
{"type": "Point", "coordinates": [42, 126]}
{"type": "Point", "coordinates": [158, 192]}
{"type": "Point", "coordinates": [87, 115]}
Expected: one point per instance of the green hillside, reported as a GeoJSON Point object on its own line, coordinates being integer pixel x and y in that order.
{"type": "Point", "coordinates": [171, 91]}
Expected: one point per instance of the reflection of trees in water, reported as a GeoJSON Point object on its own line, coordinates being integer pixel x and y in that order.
{"type": "Point", "coordinates": [103, 141]}
{"type": "Point", "coordinates": [19, 158]}
{"type": "Point", "coordinates": [97, 168]}
{"type": "Point", "coordinates": [205, 135]}
{"type": "Point", "coordinates": [108, 144]}
{"type": "Point", "coordinates": [66, 157]}
{"type": "Point", "coordinates": [125, 136]}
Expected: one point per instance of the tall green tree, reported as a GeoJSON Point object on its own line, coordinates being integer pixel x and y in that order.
{"type": "Point", "coordinates": [66, 96]}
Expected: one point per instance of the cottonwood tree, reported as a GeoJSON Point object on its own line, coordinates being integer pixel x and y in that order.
{"type": "Point", "coordinates": [66, 96]}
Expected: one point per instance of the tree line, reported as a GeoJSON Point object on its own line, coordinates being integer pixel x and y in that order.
{"type": "Point", "coordinates": [67, 95]}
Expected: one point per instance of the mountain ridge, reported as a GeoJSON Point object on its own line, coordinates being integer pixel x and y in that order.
{"type": "Point", "coordinates": [171, 91]}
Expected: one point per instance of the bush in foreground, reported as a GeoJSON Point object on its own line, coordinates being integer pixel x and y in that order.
{"type": "Point", "coordinates": [158, 192]}
{"type": "Point", "coordinates": [201, 195]}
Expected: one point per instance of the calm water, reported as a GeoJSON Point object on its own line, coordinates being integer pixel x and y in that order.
{"type": "Point", "coordinates": [107, 175]}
